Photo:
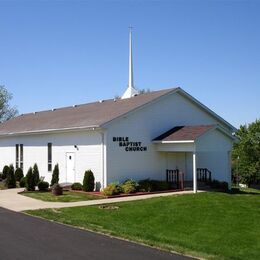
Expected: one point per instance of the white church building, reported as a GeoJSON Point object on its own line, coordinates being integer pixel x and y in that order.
{"type": "Point", "coordinates": [137, 136]}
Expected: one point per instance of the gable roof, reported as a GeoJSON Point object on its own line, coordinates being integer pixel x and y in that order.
{"type": "Point", "coordinates": [184, 133]}
{"type": "Point", "coordinates": [80, 116]}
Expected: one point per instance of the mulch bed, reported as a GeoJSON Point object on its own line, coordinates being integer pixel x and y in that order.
{"type": "Point", "coordinates": [98, 193]}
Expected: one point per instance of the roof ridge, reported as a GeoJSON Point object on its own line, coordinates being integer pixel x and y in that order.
{"type": "Point", "coordinates": [92, 102]}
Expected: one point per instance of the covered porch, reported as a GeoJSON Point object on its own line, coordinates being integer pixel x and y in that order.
{"type": "Point", "coordinates": [182, 160]}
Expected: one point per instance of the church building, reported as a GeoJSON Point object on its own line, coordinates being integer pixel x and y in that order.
{"type": "Point", "coordinates": [137, 136]}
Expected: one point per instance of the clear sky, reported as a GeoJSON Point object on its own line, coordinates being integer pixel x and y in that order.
{"type": "Point", "coordinates": [60, 53]}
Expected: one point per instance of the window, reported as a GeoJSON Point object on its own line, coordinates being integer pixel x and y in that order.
{"type": "Point", "coordinates": [17, 156]}
{"type": "Point", "coordinates": [21, 156]}
{"type": "Point", "coordinates": [49, 157]}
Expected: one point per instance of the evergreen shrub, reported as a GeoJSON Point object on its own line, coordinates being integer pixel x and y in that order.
{"type": "Point", "coordinates": [55, 175]}
{"type": "Point", "coordinates": [88, 181]}
{"type": "Point", "coordinates": [18, 174]}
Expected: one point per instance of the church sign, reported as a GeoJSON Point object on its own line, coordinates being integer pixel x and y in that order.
{"type": "Point", "coordinates": [129, 146]}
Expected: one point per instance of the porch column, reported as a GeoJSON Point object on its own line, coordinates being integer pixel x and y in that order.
{"type": "Point", "coordinates": [194, 172]}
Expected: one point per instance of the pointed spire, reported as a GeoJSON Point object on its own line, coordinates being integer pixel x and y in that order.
{"type": "Point", "coordinates": [130, 91]}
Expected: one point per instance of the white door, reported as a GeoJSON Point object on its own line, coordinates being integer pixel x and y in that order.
{"type": "Point", "coordinates": [70, 162]}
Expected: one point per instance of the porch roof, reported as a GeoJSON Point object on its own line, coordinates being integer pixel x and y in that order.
{"type": "Point", "coordinates": [183, 133]}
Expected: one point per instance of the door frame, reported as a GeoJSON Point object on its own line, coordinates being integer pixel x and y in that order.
{"type": "Point", "coordinates": [74, 177]}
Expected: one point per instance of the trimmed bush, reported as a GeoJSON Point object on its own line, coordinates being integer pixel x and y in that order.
{"type": "Point", "coordinates": [5, 172]}
{"type": "Point", "coordinates": [154, 185]}
{"type": "Point", "coordinates": [22, 182]}
{"type": "Point", "coordinates": [219, 185]}
{"type": "Point", "coordinates": [112, 189]}
{"type": "Point", "coordinates": [88, 181]}
{"type": "Point", "coordinates": [43, 186]}
{"type": "Point", "coordinates": [146, 185]}
{"type": "Point", "coordinates": [18, 174]}
{"type": "Point", "coordinates": [55, 175]}
{"type": "Point", "coordinates": [10, 178]}
{"type": "Point", "coordinates": [36, 174]}
{"type": "Point", "coordinates": [30, 184]}
{"type": "Point", "coordinates": [130, 186]}
{"type": "Point", "coordinates": [76, 186]}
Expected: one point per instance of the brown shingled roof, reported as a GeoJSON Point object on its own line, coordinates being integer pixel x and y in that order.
{"type": "Point", "coordinates": [184, 133]}
{"type": "Point", "coordinates": [88, 115]}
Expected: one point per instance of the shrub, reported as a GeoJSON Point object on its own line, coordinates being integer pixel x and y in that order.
{"type": "Point", "coordinates": [130, 186]}
{"type": "Point", "coordinates": [56, 189]}
{"type": "Point", "coordinates": [76, 186]}
{"type": "Point", "coordinates": [30, 184]}
{"type": "Point", "coordinates": [1, 176]}
{"type": "Point", "coordinates": [219, 185]}
{"type": "Point", "coordinates": [22, 182]}
{"type": "Point", "coordinates": [10, 178]}
{"type": "Point", "coordinates": [55, 175]}
{"type": "Point", "coordinates": [5, 172]}
{"type": "Point", "coordinates": [88, 181]}
{"type": "Point", "coordinates": [112, 189]}
{"type": "Point", "coordinates": [146, 185]}
{"type": "Point", "coordinates": [18, 174]}
{"type": "Point", "coordinates": [162, 185]}
{"type": "Point", "coordinates": [154, 185]}
{"type": "Point", "coordinates": [43, 186]}
{"type": "Point", "coordinates": [36, 175]}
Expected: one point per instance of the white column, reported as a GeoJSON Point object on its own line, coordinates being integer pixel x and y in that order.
{"type": "Point", "coordinates": [194, 172]}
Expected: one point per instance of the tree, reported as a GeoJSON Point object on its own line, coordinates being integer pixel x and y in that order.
{"type": "Point", "coordinates": [36, 174]}
{"type": "Point", "coordinates": [30, 185]}
{"type": "Point", "coordinates": [6, 111]}
{"type": "Point", "coordinates": [18, 174]}
{"type": "Point", "coordinates": [55, 175]}
{"type": "Point", "coordinates": [143, 91]}
{"type": "Point", "coordinates": [88, 181]}
{"type": "Point", "coordinates": [10, 178]}
{"type": "Point", "coordinates": [246, 153]}
{"type": "Point", "coordinates": [6, 170]}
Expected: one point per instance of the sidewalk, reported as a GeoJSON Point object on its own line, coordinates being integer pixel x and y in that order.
{"type": "Point", "coordinates": [10, 199]}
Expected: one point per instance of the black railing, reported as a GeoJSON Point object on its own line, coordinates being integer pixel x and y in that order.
{"type": "Point", "coordinates": [175, 177]}
{"type": "Point", "coordinates": [203, 174]}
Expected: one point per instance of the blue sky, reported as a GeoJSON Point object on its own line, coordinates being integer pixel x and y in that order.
{"type": "Point", "coordinates": [60, 53]}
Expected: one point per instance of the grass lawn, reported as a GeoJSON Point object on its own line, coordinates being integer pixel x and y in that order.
{"type": "Point", "coordinates": [67, 196]}
{"type": "Point", "coordinates": [209, 225]}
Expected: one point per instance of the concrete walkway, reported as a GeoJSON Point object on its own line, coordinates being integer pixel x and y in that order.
{"type": "Point", "coordinates": [10, 199]}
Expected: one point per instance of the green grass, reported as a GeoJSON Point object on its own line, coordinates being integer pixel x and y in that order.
{"type": "Point", "coordinates": [67, 196]}
{"type": "Point", "coordinates": [209, 225]}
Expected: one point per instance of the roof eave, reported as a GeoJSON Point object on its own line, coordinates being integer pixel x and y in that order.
{"type": "Point", "coordinates": [208, 110]}
{"type": "Point", "coordinates": [174, 142]}
{"type": "Point", "coordinates": [49, 131]}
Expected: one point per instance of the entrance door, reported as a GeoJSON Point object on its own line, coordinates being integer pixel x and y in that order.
{"type": "Point", "coordinates": [70, 161]}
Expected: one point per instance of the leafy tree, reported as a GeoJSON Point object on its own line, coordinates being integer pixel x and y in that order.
{"type": "Point", "coordinates": [6, 111]}
{"type": "Point", "coordinates": [246, 153]}
{"type": "Point", "coordinates": [143, 91]}
{"type": "Point", "coordinates": [55, 175]}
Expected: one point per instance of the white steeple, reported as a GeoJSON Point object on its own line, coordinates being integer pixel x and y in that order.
{"type": "Point", "coordinates": [130, 91]}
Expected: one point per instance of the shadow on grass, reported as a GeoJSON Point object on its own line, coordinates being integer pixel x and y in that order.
{"type": "Point", "coordinates": [243, 192]}
{"type": "Point", "coordinates": [234, 191]}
